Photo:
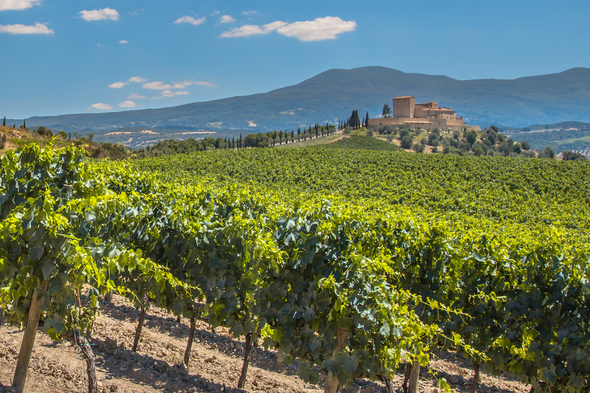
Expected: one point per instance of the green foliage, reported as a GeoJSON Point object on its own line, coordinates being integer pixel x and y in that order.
{"type": "Point", "coordinates": [386, 110]}
{"type": "Point", "coordinates": [406, 142]}
{"type": "Point", "coordinates": [382, 254]}
{"type": "Point", "coordinates": [44, 131]}
{"type": "Point", "coordinates": [418, 147]}
{"type": "Point", "coordinates": [548, 152]}
{"type": "Point", "coordinates": [571, 156]}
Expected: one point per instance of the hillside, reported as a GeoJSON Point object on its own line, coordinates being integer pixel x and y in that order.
{"type": "Point", "coordinates": [333, 94]}
{"type": "Point", "coordinates": [569, 135]}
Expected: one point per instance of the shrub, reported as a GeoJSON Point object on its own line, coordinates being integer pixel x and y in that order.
{"type": "Point", "coordinates": [548, 152]}
{"type": "Point", "coordinates": [45, 132]}
{"type": "Point", "coordinates": [406, 142]}
{"type": "Point", "coordinates": [571, 156]}
{"type": "Point", "coordinates": [418, 147]}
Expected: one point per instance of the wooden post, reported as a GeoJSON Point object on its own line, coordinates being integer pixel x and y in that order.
{"type": "Point", "coordinates": [189, 344]}
{"type": "Point", "coordinates": [139, 326]}
{"type": "Point", "coordinates": [414, 376]}
{"type": "Point", "coordinates": [26, 348]}
{"type": "Point", "coordinates": [247, 350]}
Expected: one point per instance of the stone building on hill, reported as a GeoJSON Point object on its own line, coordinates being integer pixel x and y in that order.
{"type": "Point", "coordinates": [407, 114]}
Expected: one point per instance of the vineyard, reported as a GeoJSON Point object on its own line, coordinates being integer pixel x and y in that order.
{"type": "Point", "coordinates": [350, 263]}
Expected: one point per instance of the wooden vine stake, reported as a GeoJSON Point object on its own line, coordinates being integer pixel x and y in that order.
{"type": "Point", "coordinates": [332, 384]}
{"type": "Point", "coordinates": [139, 326]}
{"type": "Point", "coordinates": [414, 376]}
{"type": "Point", "coordinates": [189, 344]}
{"type": "Point", "coordinates": [26, 348]}
{"type": "Point", "coordinates": [247, 350]}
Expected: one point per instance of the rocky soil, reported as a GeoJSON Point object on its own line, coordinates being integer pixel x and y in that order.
{"type": "Point", "coordinates": [215, 366]}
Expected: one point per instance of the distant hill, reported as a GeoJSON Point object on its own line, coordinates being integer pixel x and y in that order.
{"type": "Point", "coordinates": [333, 95]}
{"type": "Point", "coordinates": [567, 135]}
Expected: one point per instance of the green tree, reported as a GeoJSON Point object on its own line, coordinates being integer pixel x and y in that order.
{"type": "Point", "coordinates": [418, 147]}
{"type": "Point", "coordinates": [525, 145]}
{"type": "Point", "coordinates": [4, 122]}
{"type": "Point", "coordinates": [386, 110]}
{"type": "Point", "coordinates": [571, 156]}
{"type": "Point", "coordinates": [548, 152]}
{"type": "Point", "coordinates": [406, 142]}
{"type": "Point", "coordinates": [471, 137]}
{"type": "Point", "coordinates": [354, 121]}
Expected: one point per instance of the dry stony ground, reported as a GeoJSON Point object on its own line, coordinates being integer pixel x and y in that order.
{"type": "Point", "coordinates": [215, 364]}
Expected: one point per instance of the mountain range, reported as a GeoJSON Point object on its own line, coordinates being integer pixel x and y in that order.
{"type": "Point", "coordinates": [333, 94]}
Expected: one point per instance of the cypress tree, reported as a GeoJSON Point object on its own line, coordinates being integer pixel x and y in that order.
{"type": "Point", "coordinates": [240, 140]}
{"type": "Point", "coordinates": [4, 121]}
{"type": "Point", "coordinates": [24, 124]}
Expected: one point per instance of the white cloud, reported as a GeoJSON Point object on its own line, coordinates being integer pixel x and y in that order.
{"type": "Point", "coordinates": [156, 86]}
{"type": "Point", "coordinates": [123, 42]}
{"type": "Point", "coordinates": [251, 12]}
{"type": "Point", "coordinates": [202, 83]}
{"type": "Point", "coordinates": [118, 85]}
{"type": "Point", "coordinates": [135, 96]}
{"type": "Point", "coordinates": [128, 104]}
{"type": "Point", "coordinates": [6, 5]}
{"type": "Point", "coordinates": [226, 19]}
{"type": "Point", "coordinates": [99, 45]}
{"type": "Point", "coordinates": [180, 85]}
{"type": "Point", "coordinates": [318, 29]}
{"type": "Point", "coordinates": [24, 29]}
{"type": "Point", "coordinates": [249, 30]}
{"type": "Point", "coordinates": [215, 13]}
{"type": "Point", "coordinates": [137, 79]}
{"type": "Point", "coordinates": [101, 106]}
{"type": "Point", "coordinates": [170, 93]}
{"type": "Point", "coordinates": [105, 13]}
{"type": "Point", "coordinates": [190, 19]}
{"type": "Point", "coordinates": [138, 12]}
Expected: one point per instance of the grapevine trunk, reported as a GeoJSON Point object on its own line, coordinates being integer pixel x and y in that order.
{"type": "Point", "coordinates": [139, 326]}
{"type": "Point", "coordinates": [189, 344]}
{"type": "Point", "coordinates": [247, 350]}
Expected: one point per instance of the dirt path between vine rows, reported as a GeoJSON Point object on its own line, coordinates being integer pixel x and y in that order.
{"type": "Point", "coordinates": [215, 365]}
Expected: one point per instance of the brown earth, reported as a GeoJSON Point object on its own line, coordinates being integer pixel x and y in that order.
{"type": "Point", "coordinates": [216, 361]}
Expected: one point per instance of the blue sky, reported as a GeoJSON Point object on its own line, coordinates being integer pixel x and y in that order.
{"type": "Point", "coordinates": [82, 56]}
